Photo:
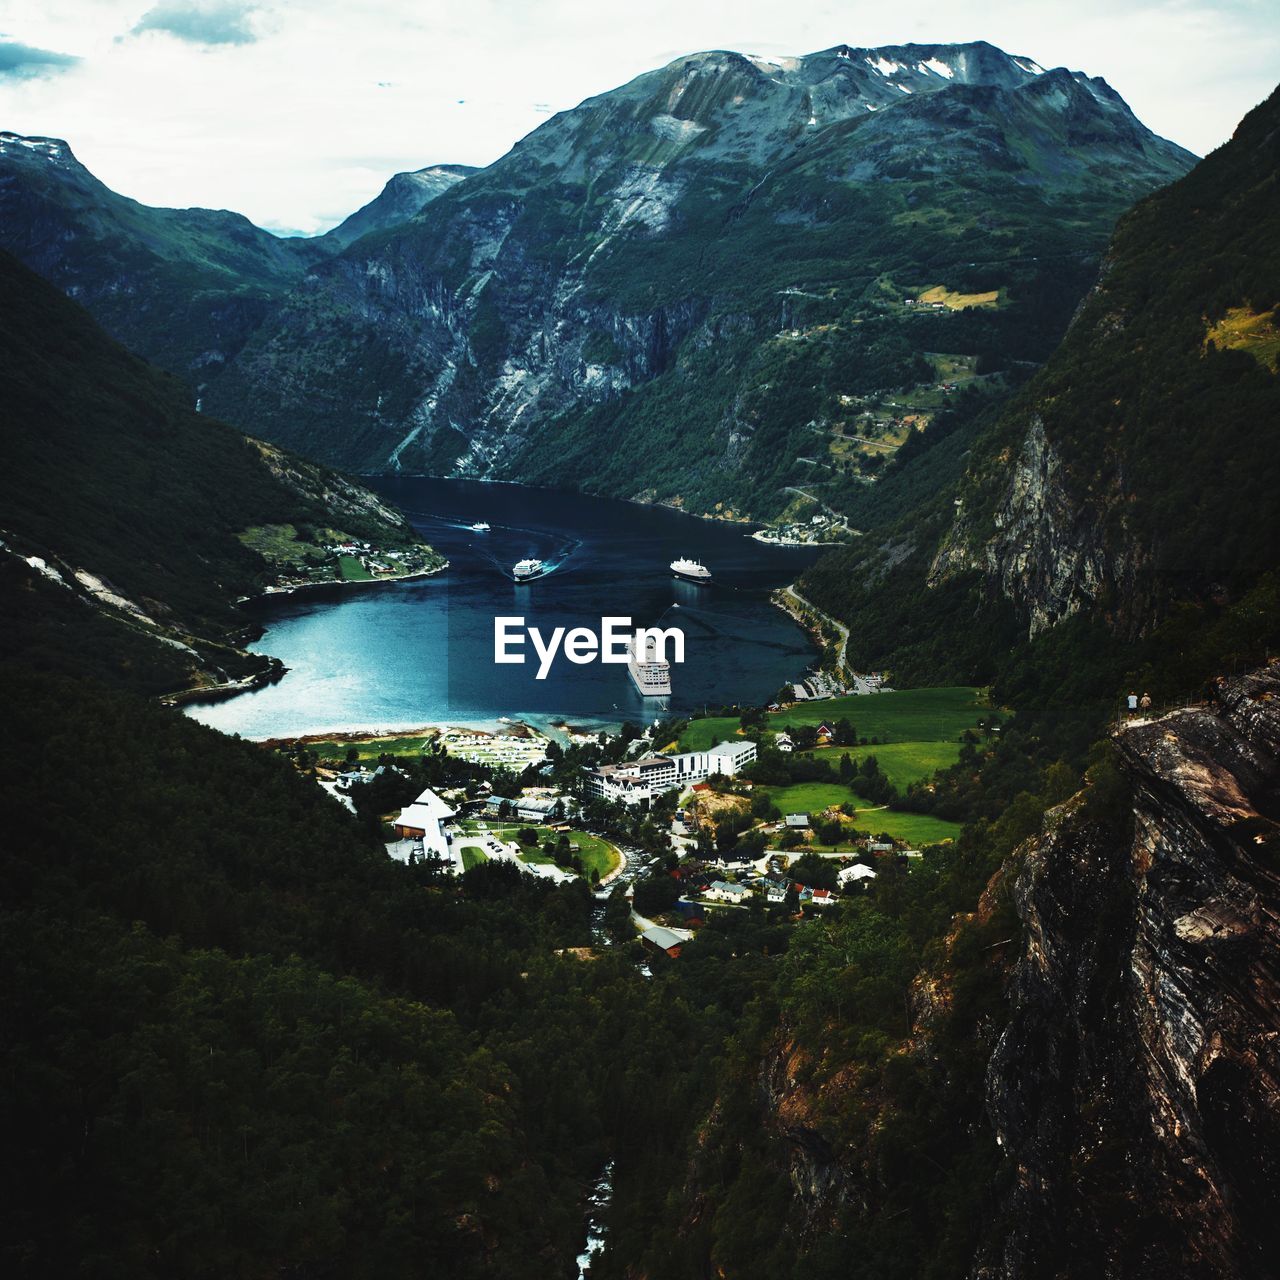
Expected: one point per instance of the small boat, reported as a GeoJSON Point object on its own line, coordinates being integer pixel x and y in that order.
{"type": "Point", "coordinates": [525, 570]}
{"type": "Point", "coordinates": [481, 526]}
{"type": "Point", "coordinates": [690, 570]}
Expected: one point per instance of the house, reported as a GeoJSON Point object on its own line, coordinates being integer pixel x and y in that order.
{"type": "Point", "coordinates": [783, 742]}
{"type": "Point", "coordinates": [495, 804]}
{"type": "Point", "coordinates": [856, 874]}
{"type": "Point", "coordinates": [723, 891]}
{"type": "Point", "coordinates": [821, 897]}
{"type": "Point", "coordinates": [545, 809]}
{"type": "Point", "coordinates": [666, 941]}
{"type": "Point", "coordinates": [775, 891]}
{"type": "Point", "coordinates": [797, 821]}
{"type": "Point", "coordinates": [690, 912]}
{"type": "Point", "coordinates": [881, 846]}
{"type": "Point", "coordinates": [425, 820]}
{"type": "Point", "coordinates": [826, 732]}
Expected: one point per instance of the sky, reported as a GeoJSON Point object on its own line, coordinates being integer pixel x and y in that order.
{"type": "Point", "coordinates": [295, 112]}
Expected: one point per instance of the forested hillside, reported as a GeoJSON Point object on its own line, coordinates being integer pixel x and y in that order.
{"type": "Point", "coordinates": [131, 501]}
{"type": "Point", "coordinates": [183, 287]}
{"type": "Point", "coordinates": [1122, 508]}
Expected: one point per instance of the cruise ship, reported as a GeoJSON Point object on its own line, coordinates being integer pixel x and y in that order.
{"type": "Point", "coordinates": [690, 570]}
{"type": "Point", "coordinates": [524, 570]}
{"type": "Point", "coordinates": [481, 526]}
{"type": "Point", "coordinates": [649, 673]}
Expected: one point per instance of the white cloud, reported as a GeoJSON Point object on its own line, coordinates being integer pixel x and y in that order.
{"type": "Point", "coordinates": [201, 21]}
{"type": "Point", "coordinates": [304, 122]}
{"type": "Point", "coordinates": [21, 61]}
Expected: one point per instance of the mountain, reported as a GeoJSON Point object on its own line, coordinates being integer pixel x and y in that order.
{"type": "Point", "coordinates": [404, 195]}
{"type": "Point", "coordinates": [182, 287]}
{"type": "Point", "coordinates": [679, 288]}
{"type": "Point", "coordinates": [1131, 485]}
{"type": "Point", "coordinates": [132, 526]}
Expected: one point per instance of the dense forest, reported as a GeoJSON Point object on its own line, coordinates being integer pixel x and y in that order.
{"type": "Point", "coordinates": [110, 471]}
{"type": "Point", "coordinates": [240, 1039]}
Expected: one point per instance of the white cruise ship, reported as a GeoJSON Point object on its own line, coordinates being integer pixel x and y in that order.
{"type": "Point", "coordinates": [527, 569]}
{"type": "Point", "coordinates": [690, 570]}
{"type": "Point", "coordinates": [649, 673]}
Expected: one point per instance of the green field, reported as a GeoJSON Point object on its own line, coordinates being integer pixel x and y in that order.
{"type": "Point", "coordinates": [909, 715]}
{"type": "Point", "coordinates": [915, 828]}
{"type": "Point", "coordinates": [814, 797]}
{"type": "Point", "coordinates": [472, 856]}
{"type": "Point", "coordinates": [901, 762]}
{"type": "Point", "coordinates": [369, 750]}
{"type": "Point", "coordinates": [352, 570]}
{"type": "Point", "coordinates": [597, 855]}
{"type": "Point", "coordinates": [808, 797]}
{"type": "Point", "coordinates": [704, 734]}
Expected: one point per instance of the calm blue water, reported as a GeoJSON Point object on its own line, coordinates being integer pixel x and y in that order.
{"type": "Point", "coordinates": [400, 655]}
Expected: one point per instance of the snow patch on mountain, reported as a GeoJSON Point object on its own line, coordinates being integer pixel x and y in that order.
{"type": "Point", "coordinates": [50, 148]}
{"type": "Point", "coordinates": [938, 67]}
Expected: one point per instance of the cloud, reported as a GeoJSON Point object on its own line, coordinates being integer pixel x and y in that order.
{"type": "Point", "coordinates": [303, 133]}
{"type": "Point", "coordinates": [20, 61]}
{"type": "Point", "coordinates": [201, 21]}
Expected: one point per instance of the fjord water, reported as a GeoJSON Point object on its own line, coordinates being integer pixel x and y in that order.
{"type": "Point", "coordinates": [399, 655]}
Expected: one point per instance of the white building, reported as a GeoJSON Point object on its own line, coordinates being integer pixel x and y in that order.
{"type": "Point", "coordinates": [425, 820]}
{"type": "Point", "coordinates": [723, 891]}
{"type": "Point", "coordinates": [637, 781]}
{"type": "Point", "coordinates": [859, 871]}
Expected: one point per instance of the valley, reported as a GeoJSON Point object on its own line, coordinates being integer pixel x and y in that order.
{"type": "Point", "coordinates": [885, 943]}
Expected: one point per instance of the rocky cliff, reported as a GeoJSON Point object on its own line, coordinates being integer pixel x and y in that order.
{"type": "Point", "coordinates": [1136, 1090]}
{"type": "Point", "coordinates": [1139, 467]}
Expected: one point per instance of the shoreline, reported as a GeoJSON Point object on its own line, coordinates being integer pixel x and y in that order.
{"type": "Point", "coordinates": [809, 617]}
{"type": "Point", "coordinates": [275, 671]}
{"type": "Point", "coordinates": [270, 593]}
{"type": "Point", "coordinates": [738, 521]}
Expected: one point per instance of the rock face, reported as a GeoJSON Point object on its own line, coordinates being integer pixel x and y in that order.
{"type": "Point", "coordinates": [614, 302]}
{"type": "Point", "coordinates": [1136, 1090]}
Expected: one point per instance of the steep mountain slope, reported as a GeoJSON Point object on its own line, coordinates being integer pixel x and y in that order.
{"type": "Point", "coordinates": [117, 499]}
{"type": "Point", "coordinates": [1139, 469]}
{"type": "Point", "coordinates": [1136, 1090]}
{"type": "Point", "coordinates": [404, 195]}
{"type": "Point", "coordinates": [678, 287]}
{"type": "Point", "coordinates": [183, 287]}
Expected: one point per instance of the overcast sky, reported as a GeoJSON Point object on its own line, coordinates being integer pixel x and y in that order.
{"type": "Point", "coordinates": [295, 112]}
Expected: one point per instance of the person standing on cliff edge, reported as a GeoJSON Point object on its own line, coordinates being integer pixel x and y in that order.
{"type": "Point", "coordinates": [1133, 705]}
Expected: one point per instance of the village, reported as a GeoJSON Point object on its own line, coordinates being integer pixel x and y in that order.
{"type": "Point", "coordinates": [305, 557]}
{"type": "Point", "coordinates": [781, 808]}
